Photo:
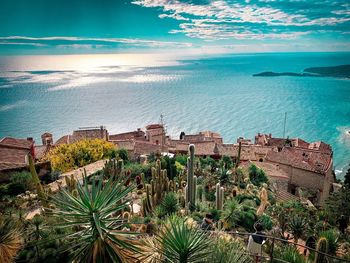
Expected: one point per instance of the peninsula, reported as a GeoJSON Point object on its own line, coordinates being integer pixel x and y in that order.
{"type": "Point", "coordinates": [342, 71]}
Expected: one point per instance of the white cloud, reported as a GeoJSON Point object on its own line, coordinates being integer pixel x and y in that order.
{"type": "Point", "coordinates": [74, 42]}
{"type": "Point", "coordinates": [221, 19]}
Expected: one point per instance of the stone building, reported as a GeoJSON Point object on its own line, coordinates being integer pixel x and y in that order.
{"type": "Point", "coordinates": [84, 133]}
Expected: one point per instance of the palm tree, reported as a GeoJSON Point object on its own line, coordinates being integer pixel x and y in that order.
{"type": "Point", "coordinates": [180, 242]}
{"type": "Point", "coordinates": [297, 227]}
{"type": "Point", "coordinates": [10, 240]}
{"type": "Point", "coordinates": [94, 214]}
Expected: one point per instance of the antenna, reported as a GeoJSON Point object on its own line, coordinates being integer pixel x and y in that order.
{"type": "Point", "coordinates": [284, 124]}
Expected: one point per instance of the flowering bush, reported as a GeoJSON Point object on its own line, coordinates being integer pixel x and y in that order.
{"type": "Point", "coordinates": [66, 157]}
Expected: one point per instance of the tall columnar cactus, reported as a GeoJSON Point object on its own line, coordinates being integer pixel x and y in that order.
{"type": "Point", "coordinates": [322, 246]}
{"type": "Point", "coordinates": [219, 194]}
{"type": "Point", "coordinates": [147, 206]}
{"type": "Point", "coordinates": [222, 197]}
{"type": "Point", "coordinates": [113, 168]}
{"type": "Point", "coordinates": [194, 189]}
{"type": "Point", "coordinates": [191, 182]}
{"type": "Point", "coordinates": [181, 196]}
{"type": "Point", "coordinates": [155, 192]}
{"type": "Point", "coordinates": [264, 201]}
{"type": "Point", "coordinates": [36, 181]}
{"type": "Point", "coordinates": [71, 183]}
{"type": "Point", "coordinates": [239, 154]}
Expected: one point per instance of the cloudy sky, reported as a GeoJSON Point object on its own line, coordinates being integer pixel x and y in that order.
{"type": "Point", "coordinates": [203, 26]}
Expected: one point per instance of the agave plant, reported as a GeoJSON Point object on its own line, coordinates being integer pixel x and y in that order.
{"type": "Point", "coordinates": [10, 240]}
{"type": "Point", "coordinates": [95, 215]}
{"type": "Point", "coordinates": [297, 227]}
{"type": "Point", "coordinates": [183, 243]}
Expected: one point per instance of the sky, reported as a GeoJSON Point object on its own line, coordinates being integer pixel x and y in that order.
{"type": "Point", "coordinates": [179, 26]}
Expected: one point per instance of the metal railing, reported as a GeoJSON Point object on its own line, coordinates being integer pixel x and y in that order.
{"type": "Point", "coordinates": [271, 258]}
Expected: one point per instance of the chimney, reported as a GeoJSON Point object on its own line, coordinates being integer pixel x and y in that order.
{"type": "Point", "coordinates": [32, 148]}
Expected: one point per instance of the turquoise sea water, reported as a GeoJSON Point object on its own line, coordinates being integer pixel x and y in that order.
{"type": "Point", "coordinates": [61, 93]}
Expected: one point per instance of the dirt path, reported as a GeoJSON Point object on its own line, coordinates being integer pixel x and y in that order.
{"type": "Point", "coordinates": [78, 174]}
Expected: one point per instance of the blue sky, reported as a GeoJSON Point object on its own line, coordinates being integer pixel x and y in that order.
{"type": "Point", "coordinates": [194, 26]}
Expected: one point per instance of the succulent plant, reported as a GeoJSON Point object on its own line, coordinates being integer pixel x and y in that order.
{"type": "Point", "coordinates": [322, 246]}
{"type": "Point", "coordinates": [191, 180]}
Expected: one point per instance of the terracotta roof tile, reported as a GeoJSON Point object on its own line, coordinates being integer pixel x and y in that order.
{"type": "Point", "coordinates": [18, 143]}
{"type": "Point", "coordinates": [305, 159]}
{"type": "Point", "coordinates": [13, 155]}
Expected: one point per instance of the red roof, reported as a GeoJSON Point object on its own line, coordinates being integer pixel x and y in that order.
{"type": "Point", "coordinates": [18, 143]}
{"type": "Point", "coordinates": [306, 159]}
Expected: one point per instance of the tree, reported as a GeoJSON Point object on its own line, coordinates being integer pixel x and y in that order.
{"type": "Point", "coordinates": [95, 215]}
{"type": "Point", "coordinates": [338, 204]}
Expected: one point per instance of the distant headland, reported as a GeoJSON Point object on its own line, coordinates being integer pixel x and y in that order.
{"type": "Point", "coordinates": [342, 71]}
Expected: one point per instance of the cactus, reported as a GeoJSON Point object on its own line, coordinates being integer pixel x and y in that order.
{"type": "Point", "coordinates": [155, 192]}
{"type": "Point", "coordinates": [191, 182]}
{"type": "Point", "coordinates": [71, 183]}
{"type": "Point", "coordinates": [159, 182]}
{"type": "Point", "coordinates": [264, 201]}
{"type": "Point", "coordinates": [36, 181]}
{"type": "Point", "coordinates": [200, 192]}
{"type": "Point", "coordinates": [239, 154]}
{"type": "Point", "coordinates": [181, 197]}
{"type": "Point", "coordinates": [322, 246]}
{"type": "Point", "coordinates": [222, 197]}
{"type": "Point", "coordinates": [219, 193]}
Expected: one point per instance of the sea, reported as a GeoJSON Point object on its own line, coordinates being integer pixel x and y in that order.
{"type": "Point", "coordinates": [60, 93]}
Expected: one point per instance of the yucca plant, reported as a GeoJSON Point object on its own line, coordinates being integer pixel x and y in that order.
{"type": "Point", "coordinates": [297, 227]}
{"type": "Point", "coordinates": [169, 203]}
{"type": "Point", "coordinates": [10, 240]}
{"type": "Point", "coordinates": [95, 216]}
{"type": "Point", "coordinates": [180, 242]}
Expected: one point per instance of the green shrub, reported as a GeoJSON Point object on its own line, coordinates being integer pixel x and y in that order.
{"type": "Point", "coordinates": [15, 188]}
{"type": "Point", "coordinates": [182, 159]}
{"type": "Point", "coordinates": [247, 217]}
{"type": "Point", "coordinates": [123, 154]}
{"type": "Point", "coordinates": [209, 196]}
{"type": "Point", "coordinates": [242, 197]}
{"type": "Point", "coordinates": [266, 221]}
{"type": "Point", "coordinates": [24, 179]}
{"type": "Point", "coordinates": [3, 190]}
{"type": "Point", "coordinates": [257, 176]}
